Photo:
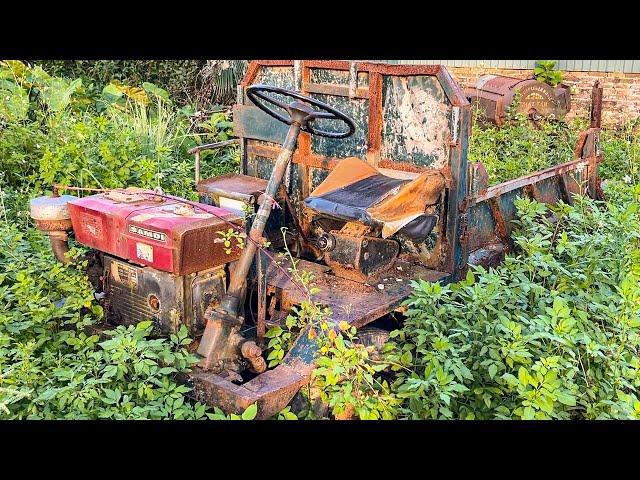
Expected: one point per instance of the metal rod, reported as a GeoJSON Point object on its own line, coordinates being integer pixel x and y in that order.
{"type": "Point", "coordinates": [210, 146]}
{"type": "Point", "coordinates": [220, 192]}
{"type": "Point", "coordinates": [596, 105]}
{"type": "Point", "coordinates": [197, 165]}
{"type": "Point", "coordinates": [231, 300]}
{"type": "Point", "coordinates": [262, 298]}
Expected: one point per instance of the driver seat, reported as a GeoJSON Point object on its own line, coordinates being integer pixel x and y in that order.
{"type": "Point", "coordinates": [355, 191]}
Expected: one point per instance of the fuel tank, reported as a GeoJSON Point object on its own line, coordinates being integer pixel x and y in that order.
{"type": "Point", "coordinates": [168, 234]}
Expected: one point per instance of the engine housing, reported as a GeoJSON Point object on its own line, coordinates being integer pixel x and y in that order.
{"type": "Point", "coordinates": [135, 294]}
{"type": "Point", "coordinates": [166, 233]}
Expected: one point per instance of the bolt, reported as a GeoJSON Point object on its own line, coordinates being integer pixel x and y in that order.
{"type": "Point", "coordinates": [250, 350]}
{"type": "Point", "coordinates": [154, 303]}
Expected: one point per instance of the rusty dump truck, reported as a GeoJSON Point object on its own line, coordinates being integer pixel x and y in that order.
{"type": "Point", "coordinates": [358, 169]}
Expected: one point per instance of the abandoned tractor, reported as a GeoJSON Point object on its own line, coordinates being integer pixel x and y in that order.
{"type": "Point", "coordinates": [358, 169]}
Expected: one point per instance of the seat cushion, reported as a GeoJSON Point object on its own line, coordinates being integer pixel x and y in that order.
{"type": "Point", "coordinates": [350, 202]}
{"type": "Point", "coordinates": [356, 191]}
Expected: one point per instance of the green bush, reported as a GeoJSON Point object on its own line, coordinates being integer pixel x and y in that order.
{"type": "Point", "coordinates": [518, 148]}
{"type": "Point", "coordinates": [178, 77]}
{"type": "Point", "coordinates": [53, 131]}
{"type": "Point", "coordinates": [553, 332]}
{"type": "Point", "coordinates": [621, 152]}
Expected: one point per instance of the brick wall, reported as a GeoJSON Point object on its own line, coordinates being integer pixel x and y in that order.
{"type": "Point", "coordinates": [621, 91]}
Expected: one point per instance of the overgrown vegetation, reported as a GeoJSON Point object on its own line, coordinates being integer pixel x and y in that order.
{"type": "Point", "coordinates": [545, 71]}
{"type": "Point", "coordinates": [519, 147]}
{"type": "Point", "coordinates": [204, 84]}
{"type": "Point", "coordinates": [178, 77]}
{"type": "Point", "coordinates": [551, 333]}
{"type": "Point", "coordinates": [53, 130]}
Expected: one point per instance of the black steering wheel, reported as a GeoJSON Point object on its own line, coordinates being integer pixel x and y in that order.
{"type": "Point", "coordinates": [300, 111]}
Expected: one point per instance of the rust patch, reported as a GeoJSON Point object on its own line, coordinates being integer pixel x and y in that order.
{"type": "Point", "coordinates": [501, 226]}
{"type": "Point", "coordinates": [418, 119]}
{"type": "Point", "coordinates": [53, 225]}
{"type": "Point", "coordinates": [354, 302]}
{"type": "Point", "coordinates": [272, 390]}
{"type": "Point", "coordinates": [374, 139]}
{"type": "Point", "coordinates": [497, 190]}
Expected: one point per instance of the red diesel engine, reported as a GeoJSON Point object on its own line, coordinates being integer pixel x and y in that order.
{"type": "Point", "coordinates": [162, 258]}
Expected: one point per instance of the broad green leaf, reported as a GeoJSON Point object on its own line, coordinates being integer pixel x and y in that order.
{"type": "Point", "coordinates": [14, 101]}
{"type": "Point", "coordinates": [155, 90]}
{"type": "Point", "coordinates": [251, 412]}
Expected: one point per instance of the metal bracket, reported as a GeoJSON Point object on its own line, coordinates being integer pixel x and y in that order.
{"type": "Point", "coordinates": [209, 146]}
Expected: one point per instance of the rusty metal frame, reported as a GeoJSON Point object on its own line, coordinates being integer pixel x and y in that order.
{"type": "Point", "coordinates": [455, 172]}
{"type": "Point", "coordinates": [526, 181]}
{"type": "Point", "coordinates": [273, 389]}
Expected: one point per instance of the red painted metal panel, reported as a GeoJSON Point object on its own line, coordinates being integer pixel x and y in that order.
{"type": "Point", "coordinates": [167, 234]}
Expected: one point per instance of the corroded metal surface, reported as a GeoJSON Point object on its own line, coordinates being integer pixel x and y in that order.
{"type": "Point", "coordinates": [62, 225]}
{"type": "Point", "coordinates": [138, 293]}
{"type": "Point", "coordinates": [493, 94]}
{"type": "Point", "coordinates": [163, 232]}
{"type": "Point", "coordinates": [51, 213]}
{"type": "Point", "coordinates": [413, 119]}
{"type": "Point", "coordinates": [271, 390]}
{"type": "Point", "coordinates": [416, 126]}
{"type": "Point", "coordinates": [355, 302]}
{"type": "Point", "coordinates": [360, 258]}
{"type": "Point", "coordinates": [490, 212]}
{"type": "Point", "coordinates": [246, 187]}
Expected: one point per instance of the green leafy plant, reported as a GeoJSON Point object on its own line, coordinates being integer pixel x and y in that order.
{"type": "Point", "coordinates": [545, 71]}
{"type": "Point", "coordinates": [518, 148]}
{"type": "Point", "coordinates": [219, 81]}
{"type": "Point", "coordinates": [347, 376]}
{"type": "Point", "coordinates": [178, 77]}
{"type": "Point", "coordinates": [230, 235]}
{"type": "Point", "coordinates": [553, 332]}
{"type": "Point", "coordinates": [309, 315]}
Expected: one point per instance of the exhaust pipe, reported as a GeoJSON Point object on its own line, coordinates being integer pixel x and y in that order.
{"type": "Point", "coordinates": [59, 245]}
{"type": "Point", "coordinates": [51, 216]}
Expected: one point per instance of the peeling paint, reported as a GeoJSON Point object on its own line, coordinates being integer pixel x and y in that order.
{"type": "Point", "coordinates": [416, 121]}
{"type": "Point", "coordinates": [337, 77]}
{"type": "Point", "coordinates": [280, 76]}
{"type": "Point", "coordinates": [353, 146]}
